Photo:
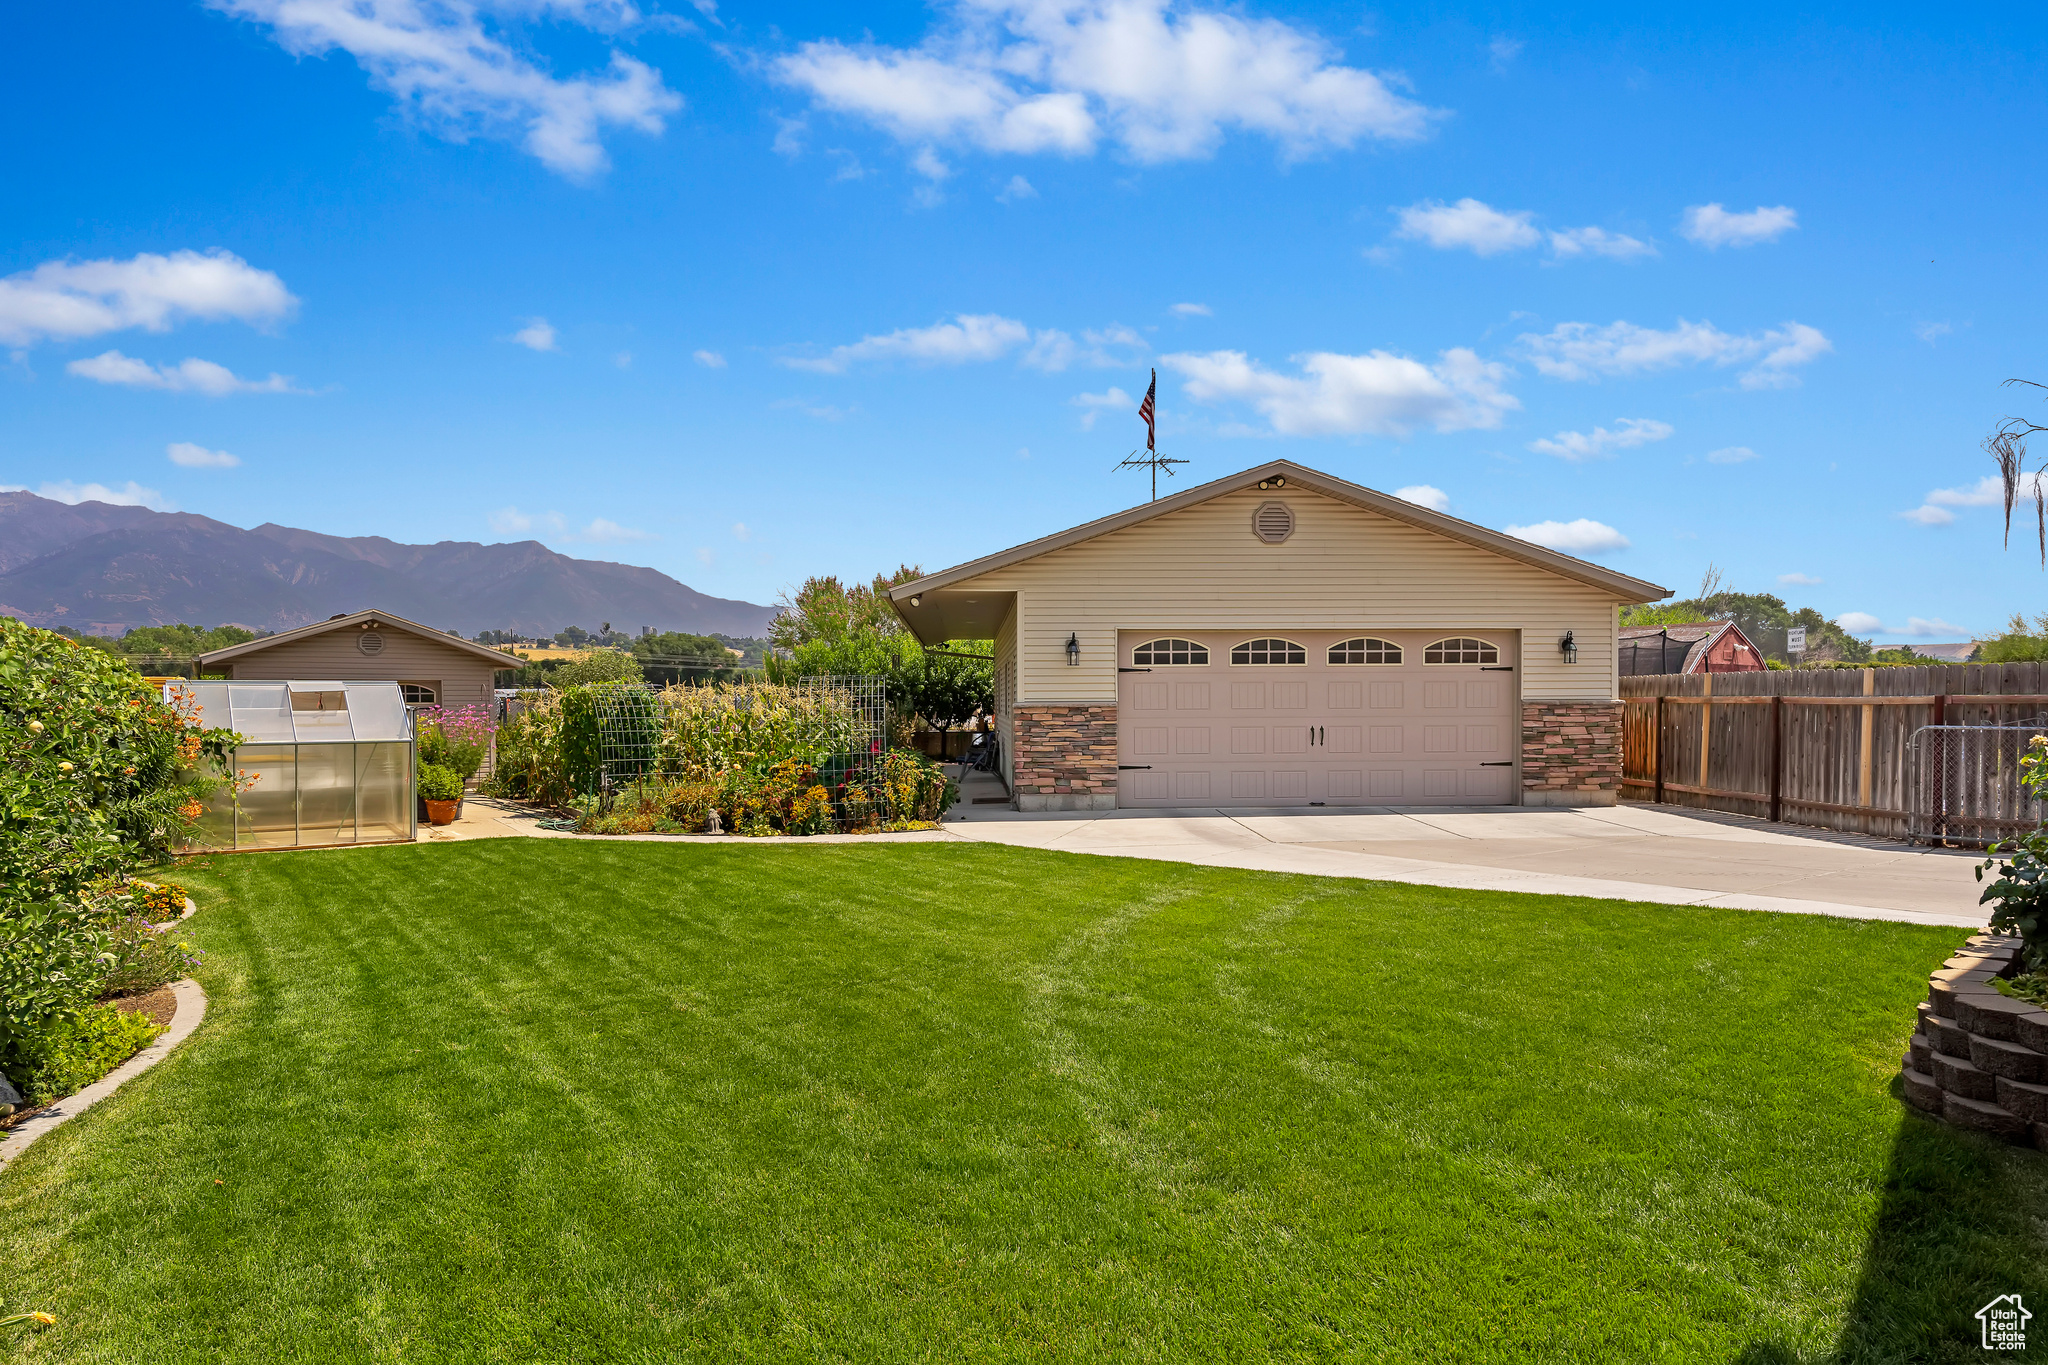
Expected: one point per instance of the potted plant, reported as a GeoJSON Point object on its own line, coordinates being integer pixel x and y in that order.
{"type": "Point", "coordinates": [441, 789]}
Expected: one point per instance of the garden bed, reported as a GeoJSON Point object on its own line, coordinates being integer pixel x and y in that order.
{"type": "Point", "coordinates": [1979, 1057]}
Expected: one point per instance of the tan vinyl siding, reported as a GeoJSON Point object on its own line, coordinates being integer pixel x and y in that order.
{"type": "Point", "coordinates": [1343, 568]}
{"type": "Point", "coordinates": [463, 678]}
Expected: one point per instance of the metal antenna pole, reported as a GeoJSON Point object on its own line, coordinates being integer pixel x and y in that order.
{"type": "Point", "coordinates": [1153, 462]}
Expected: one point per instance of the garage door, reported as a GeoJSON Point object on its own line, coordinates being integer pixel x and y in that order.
{"type": "Point", "coordinates": [1357, 718]}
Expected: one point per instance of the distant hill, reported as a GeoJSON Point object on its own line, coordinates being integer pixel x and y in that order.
{"type": "Point", "coordinates": [103, 569]}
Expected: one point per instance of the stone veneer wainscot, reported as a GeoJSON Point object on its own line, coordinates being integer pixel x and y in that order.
{"type": "Point", "coordinates": [1064, 757]}
{"type": "Point", "coordinates": [1571, 753]}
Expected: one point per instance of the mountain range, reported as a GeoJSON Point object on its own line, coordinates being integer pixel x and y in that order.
{"type": "Point", "coordinates": [101, 569]}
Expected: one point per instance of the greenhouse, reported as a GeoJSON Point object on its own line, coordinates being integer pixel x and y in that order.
{"type": "Point", "coordinates": [332, 763]}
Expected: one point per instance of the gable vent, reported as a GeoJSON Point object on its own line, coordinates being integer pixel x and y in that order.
{"type": "Point", "coordinates": [370, 642]}
{"type": "Point", "coordinates": [1273, 522]}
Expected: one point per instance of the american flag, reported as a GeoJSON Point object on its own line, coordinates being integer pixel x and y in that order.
{"type": "Point", "coordinates": [1145, 410]}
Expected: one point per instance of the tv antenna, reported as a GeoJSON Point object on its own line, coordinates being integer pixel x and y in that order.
{"type": "Point", "coordinates": [1151, 459]}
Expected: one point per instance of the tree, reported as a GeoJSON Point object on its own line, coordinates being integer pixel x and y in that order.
{"type": "Point", "coordinates": [675, 656]}
{"type": "Point", "coordinates": [950, 687]}
{"type": "Point", "coordinates": [600, 665]}
{"type": "Point", "coordinates": [826, 609]}
{"type": "Point", "coordinates": [1761, 616]}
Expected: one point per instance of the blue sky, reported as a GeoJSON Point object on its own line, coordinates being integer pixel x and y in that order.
{"type": "Point", "coordinates": [753, 291]}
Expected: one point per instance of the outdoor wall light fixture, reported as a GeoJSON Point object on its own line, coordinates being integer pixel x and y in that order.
{"type": "Point", "coordinates": [1277, 481]}
{"type": "Point", "coordinates": [917, 599]}
{"type": "Point", "coordinates": [1073, 650]}
{"type": "Point", "coordinates": [1569, 648]}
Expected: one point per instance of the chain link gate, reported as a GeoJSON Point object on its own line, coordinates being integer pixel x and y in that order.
{"type": "Point", "coordinates": [1966, 783]}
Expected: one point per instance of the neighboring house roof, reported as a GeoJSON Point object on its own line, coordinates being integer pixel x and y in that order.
{"type": "Point", "coordinates": [1703, 636]}
{"type": "Point", "coordinates": [353, 620]}
{"type": "Point", "coordinates": [1623, 587]}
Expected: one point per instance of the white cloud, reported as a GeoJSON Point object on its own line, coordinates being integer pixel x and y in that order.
{"type": "Point", "coordinates": [1916, 627]}
{"type": "Point", "coordinates": [1713, 227]}
{"type": "Point", "coordinates": [1191, 310]}
{"type": "Point", "coordinates": [190, 375]}
{"type": "Point", "coordinates": [537, 335]}
{"type": "Point", "coordinates": [1929, 515]}
{"type": "Point", "coordinates": [968, 338]}
{"type": "Point", "coordinates": [710, 360]}
{"type": "Point", "coordinates": [1582, 537]}
{"type": "Point", "coordinates": [1581, 350]}
{"type": "Point", "coordinates": [1018, 188]}
{"type": "Point", "coordinates": [1799, 580]}
{"type": "Point", "coordinates": [510, 521]}
{"type": "Point", "coordinates": [1730, 455]}
{"type": "Point", "coordinates": [705, 555]}
{"type": "Point", "coordinates": [199, 457]}
{"type": "Point", "coordinates": [1378, 393]}
{"type": "Point", "coordinates": [928, 164]}
{"type": "Point", "coordinates": [1599, 443]}
{"type": "Point", "coordinates": [740, 531]}
{"type": "Point", "coordinates": [1592, 241]}
{"type": "Point", "coordinates": [1468, 225]}
{"type": "Point", "coordinates": [1989, 491]}
{"type": "Point", "coordinates": [603, 532]}
{"type": "Point", "coordinates": [823, 412]}
{"type": "Point", "coordinates": [1425, 495]}
{"type": "Point", "coordinates": [1501, 52]}
{"type": "Point", "coordinates": [65, 300]}
{"type": "Point", "coordinates": [1161, 81]}
{"type": "Point", "coordinates": [1093, 405]}
{"type": "Point", "coordinates": [445, 64]}
{"type": "Point", "coordinates": [130, 494]}
{"type": "Point", "coordinates": [1471, 225]}
{"type": "Point", "coordinates": [1930, 332]}
{"type": "Point", "coordinates": [624, 360]}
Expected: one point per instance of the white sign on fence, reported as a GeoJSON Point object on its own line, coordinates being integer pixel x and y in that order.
{"type": "Point", "coordinates": [1795, 640]}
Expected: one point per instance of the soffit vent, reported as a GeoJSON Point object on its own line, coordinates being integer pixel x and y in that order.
{"type": "Point", "coordinates": [1273, 522]}
{"type": "Point", "coordinates": [370, 642]}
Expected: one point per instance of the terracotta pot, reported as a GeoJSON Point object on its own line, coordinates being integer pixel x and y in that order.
{"type": "Point", "coordinates": [443, 812]}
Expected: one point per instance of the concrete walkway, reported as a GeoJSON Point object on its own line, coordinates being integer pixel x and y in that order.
{"type": "Point", "coordinates": [1631, 852]}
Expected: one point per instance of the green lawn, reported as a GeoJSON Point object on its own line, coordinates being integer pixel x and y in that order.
{"type": "Point", "coordinates": [544, 1100]}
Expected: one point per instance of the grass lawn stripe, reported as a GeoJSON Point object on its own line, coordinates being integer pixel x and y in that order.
{"type": "Point", "coordinates": [547, 1100]}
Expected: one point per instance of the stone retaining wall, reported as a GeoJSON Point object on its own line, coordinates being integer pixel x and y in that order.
{"type": "Point", "coordinates": [1064, 757]}
{"type": "Point", "coordinates": [1571, 753]}
{"type": "Point", "coordinates": [1980, 1059]}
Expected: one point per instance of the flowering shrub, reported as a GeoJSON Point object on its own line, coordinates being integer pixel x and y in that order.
{"type": "Point", "coordinates": [98, 774]}
{"type": "Point", "coordinates": [160, 901]}
{"type": "Point", "coordinates": [457, 737]}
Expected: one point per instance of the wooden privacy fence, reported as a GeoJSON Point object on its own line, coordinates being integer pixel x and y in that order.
{"type": "Point", "coordinates": [1827, 747]}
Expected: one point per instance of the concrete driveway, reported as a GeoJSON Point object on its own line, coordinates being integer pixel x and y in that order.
{"type": "Point", "coordinates": [1628, 852]}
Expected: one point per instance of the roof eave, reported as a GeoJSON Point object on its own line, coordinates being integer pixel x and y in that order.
{"type": "Point", "coordinates": [1624, 587]}
{"type": "Point", "coordinates": [313, 628]}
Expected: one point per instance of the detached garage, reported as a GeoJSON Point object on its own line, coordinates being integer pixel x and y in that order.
{"type": "Point", "coordinates": [1285, 638]}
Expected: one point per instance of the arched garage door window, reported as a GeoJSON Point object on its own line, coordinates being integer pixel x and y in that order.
{"type": "Point", "coordinates": [1365, 650]}
{"type": "Point", "coordinates": [418, 694]}
{"type": "Point", "coordinates": [1461, 650]}
{"type": "Point", "coordinates": [1153, 653]}
{"type": "Point", "coordinates": [1268, 652]}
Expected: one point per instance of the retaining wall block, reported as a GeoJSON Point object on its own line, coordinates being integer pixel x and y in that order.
{"type": "Point", "coordinates": [1920, 1053]}
{"type": "Point", "coordinates": [2029, 1101]}
{"type": "Point", "coordinates": [2007, 1059]}
{"type": "Point", "coordinates": [1995, 1016]}
{"type": "Point", "coordinates": [1922, 1091]}
{"type": "Point", "coordinates": [1983, 1116]}
{"type": "Point", "coordinates": [1946, 1035]}
{"type": "Point", "coordinates": [2031, 1029]}
{"type": "Point", "coordinates": [1959, 1077]}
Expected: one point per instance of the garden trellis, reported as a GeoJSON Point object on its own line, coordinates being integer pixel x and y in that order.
{"type": "Point", "coordinates": [641, 733]}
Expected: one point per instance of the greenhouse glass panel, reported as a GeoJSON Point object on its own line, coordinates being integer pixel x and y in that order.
{"type": "Point", "coordinates": [332, 764]}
